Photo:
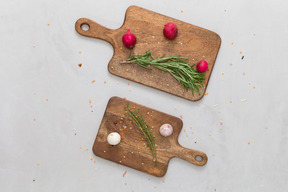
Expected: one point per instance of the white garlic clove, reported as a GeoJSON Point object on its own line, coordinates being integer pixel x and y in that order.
{"type": "Point", "coordinates": [114, 138]}
{"type": "Point", "coordinates": [166, 130]}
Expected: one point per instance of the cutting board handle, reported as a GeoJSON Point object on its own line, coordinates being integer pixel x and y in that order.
{"type": "Point", "coordinates": [94, 30]}
{"type": "Point", "coordinates": [193, 156]}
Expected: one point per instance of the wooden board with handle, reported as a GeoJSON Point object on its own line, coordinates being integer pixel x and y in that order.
{"type": "Point", "coordinates": [192, 42]}
{"type": "Point", "coordinates": [132, 151]}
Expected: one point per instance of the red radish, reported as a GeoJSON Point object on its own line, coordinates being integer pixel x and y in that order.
{"type": "Point", "coordinates": [170, 31]}
{"type": "Point", "coordinates": [202, 66]}
{"type": "Point", "coordinates": [129, 39]}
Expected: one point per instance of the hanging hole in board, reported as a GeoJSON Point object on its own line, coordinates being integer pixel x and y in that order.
{"type": "Point", "coordinates": [198, 158]}
{"type": "Point", "coordinates": [85, 27]}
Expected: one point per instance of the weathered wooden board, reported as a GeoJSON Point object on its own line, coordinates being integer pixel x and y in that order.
{"type": "Point", "coordinates": [192, 42]}
{"type": "Point", "coordinates": [132, 150]}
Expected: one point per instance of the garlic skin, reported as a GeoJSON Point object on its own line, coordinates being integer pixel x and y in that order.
{"type": "Point", "coordinates": [166, 130]}
{"type": "Point", "coordinates": [114, 138]}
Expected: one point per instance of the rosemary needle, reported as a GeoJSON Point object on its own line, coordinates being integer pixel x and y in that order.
{"type": "Point", "coordinates": [176, 65]}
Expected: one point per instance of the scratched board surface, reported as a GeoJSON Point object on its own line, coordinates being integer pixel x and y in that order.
{"type": "Point", "coordinates": [192, 42]}
{"type": "Point", "coordinates": [132, 150]}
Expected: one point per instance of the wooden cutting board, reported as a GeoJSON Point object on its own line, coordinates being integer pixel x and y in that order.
{"type": "Point", "coordinates": [192, 42]}
{"type": "Point", "coordinates": [132, 150]}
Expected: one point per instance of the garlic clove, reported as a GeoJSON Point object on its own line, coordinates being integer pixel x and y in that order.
{"type": "Point", "coordinates": [114, 138]}
{"type": "Point", "coordinates": [166, 130]}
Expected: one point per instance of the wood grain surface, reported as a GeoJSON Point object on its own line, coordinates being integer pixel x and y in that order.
{"type": "Point", "coordinates": [192, 42]}
{"type": "Point", "coordinates": [132, 150]}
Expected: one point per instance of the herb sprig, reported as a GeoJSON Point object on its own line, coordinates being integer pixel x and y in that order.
{"type": "Point", "coordinates": [138, 120]}
{"type": "Point", "coordinates": [176, 65]}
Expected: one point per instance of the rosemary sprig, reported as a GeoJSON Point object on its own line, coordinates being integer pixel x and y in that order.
{"type": "Point", "coordinates": [138, 120]}
{"type": "Point", "coordinates": [176, 65]}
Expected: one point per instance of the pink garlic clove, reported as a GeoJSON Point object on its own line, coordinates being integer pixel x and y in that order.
{"type": "Point", "coordinates": [166, 130]}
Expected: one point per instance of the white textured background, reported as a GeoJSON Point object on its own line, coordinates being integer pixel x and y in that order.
{"type": "Point", "coordinates": [40, 62]}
